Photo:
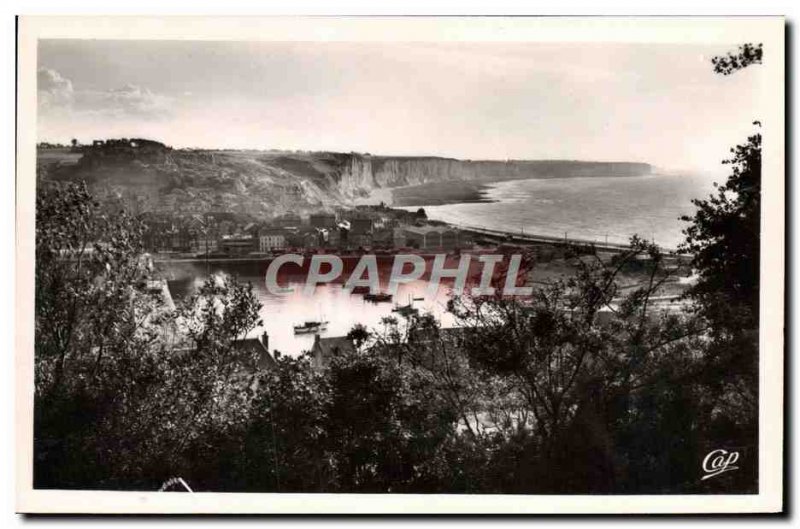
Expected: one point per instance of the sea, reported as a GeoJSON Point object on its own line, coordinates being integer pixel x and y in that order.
{"type": "Point", "coordinates": [600, 209]}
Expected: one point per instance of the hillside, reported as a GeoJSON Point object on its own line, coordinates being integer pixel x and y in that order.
{"type": "Point", "coordinates": [153, 177]}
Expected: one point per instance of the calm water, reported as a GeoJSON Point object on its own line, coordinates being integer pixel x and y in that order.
{"type": "Point", "coordinates": [586, 208]}
{"type": "Point", "coordinates": [329, 302]}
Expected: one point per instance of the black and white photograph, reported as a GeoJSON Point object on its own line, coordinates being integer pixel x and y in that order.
{"type": "Point", "coordinates": [403, 264]}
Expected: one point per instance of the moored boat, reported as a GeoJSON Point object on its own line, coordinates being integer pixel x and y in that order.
{"type": "Point", "coordinates": [380, 297]}
{"type": "Point", "coordinates": [310, 327]}
{"type": "Point", "coordinates": [406, 310]}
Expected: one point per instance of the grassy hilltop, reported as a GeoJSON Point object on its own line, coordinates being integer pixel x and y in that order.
{"type": "Point", "coordinates": [150, 176]}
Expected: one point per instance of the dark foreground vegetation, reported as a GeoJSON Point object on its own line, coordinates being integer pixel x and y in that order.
{"type": "Point", "coordinates": [582, 389]}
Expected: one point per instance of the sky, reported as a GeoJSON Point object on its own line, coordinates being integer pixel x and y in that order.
{"type": "Point", "coordinates": [655, 103]}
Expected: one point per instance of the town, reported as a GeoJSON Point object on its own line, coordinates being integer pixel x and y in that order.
{"type": "Point", "coordinates": [414, 268]}
{"type": "Point", "coordinates": [228, 235]}
{"type": "Point", "coordinates": [370, 285]}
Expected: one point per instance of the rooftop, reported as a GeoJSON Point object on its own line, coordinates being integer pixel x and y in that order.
{"type": "Point", "coordinates": [424, 230]}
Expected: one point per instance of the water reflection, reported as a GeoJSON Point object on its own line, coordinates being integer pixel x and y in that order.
{"type": "Point", "coordinates": [330, 301]}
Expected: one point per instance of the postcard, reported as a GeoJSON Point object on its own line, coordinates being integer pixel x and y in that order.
{"type": "Point", "coordinates": [400, 265]}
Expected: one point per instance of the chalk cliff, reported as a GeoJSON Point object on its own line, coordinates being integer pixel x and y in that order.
{"type": "Point", "coordinates": [266, 183]}
{"type": "Point", "coordinates": [362, 172]}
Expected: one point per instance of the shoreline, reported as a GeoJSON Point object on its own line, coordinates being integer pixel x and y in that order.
{"type": "Point", "coordinates": [450, 191]}
{"type": "Point", "coordinates": [440, 193]}
{"type": "Point", "coordinates": [501, 236]}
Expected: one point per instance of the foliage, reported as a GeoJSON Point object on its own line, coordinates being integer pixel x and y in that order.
{"type": "Point", "coordinates": [724, 239]}
{"type": "Point", "coordinates": [119, 401]}
{"type": "Point", "coordinates": [578, 356]}
{"type": "Point", "coordinates": [590, 385]}
{"type": "Point", "coordinates": [746, 55]}
{"type": "Point", "coordinates": [583, 387]}
{"type": "Point", "coordinates": [283, 446]}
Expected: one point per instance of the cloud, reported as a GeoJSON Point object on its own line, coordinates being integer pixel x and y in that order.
{"type": "Point", "coordinates": [58, 96]}
{"type": "Point", "coordinates": [53, 89]}
{"type": "Point", "coordinates": [127, 101]}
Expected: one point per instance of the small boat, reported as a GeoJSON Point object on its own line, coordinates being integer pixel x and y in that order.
{"type": "Point", "coordinates": [406, 310]}
{"type": "Point", "coordinates": [360, 290]}
{"type": "Point", "coordinates": [380, 297]}
{"type": "Point", "coordinates": [419, 299]}
{"type": "Point", "coordinates": [310, 327]}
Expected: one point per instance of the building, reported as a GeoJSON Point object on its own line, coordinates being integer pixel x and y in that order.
{"type": "Point", "coordinates": [359, 241]}
{"type": "Point", "coordinates": [449, 238]}
{"type": "Point", "coordinates": [204, 245]}
{"type": "Point", "coordinates": [248, 356]}
{"type": "Point", "coordinates": [381, 222]}
{"type": "Point", "coordinates": [383, 238]}
{"type": "Point", "coordinates": [238, 244]}
{"type": "Point", "coordinates": [257, 349]}
{"type": "Point", "coordinates": [361, 226]}
{"type": "Point", "coordinates": [322, 220]}
{"type": "Point", "coordinates": [227, 227]}
{"type": "Point", "coordinates": [180, 239]}
{"type": "Point", "coordinates": [155, 237]}
{"type": "Point", "coordinates": [160, 289]}
{"type": "Point", "coordinates": [340, 236]}
{"type": "Point", "coordinates": [271, 239]}
{"type": "Point", "coordinates": [360, 234]}
{"type": "Point", "coordinates": [289, 220]}
{"type": "Point", "coordinates": [294, 238]}
{"type": "Point", "coordinates": [325, 348]}
{"type": "Point", "coordinates": [427, 237]}
{"type": "Point", "coordinates": [309, 239]}
{"type": "Point", "coordinates": [335, 237]}
{"type": "Point", "coordinates": [252, 229]}
{"type": "Point", "coordinates": [127, 148]}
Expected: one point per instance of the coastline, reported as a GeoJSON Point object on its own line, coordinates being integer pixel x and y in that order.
{"type": "Point", "coordinates": [532, 215]}
{"type": "Point", "coordinates": [496, 236]}
{"type": "Point", "coordinates": [448, 191]}
{"type": "Point", "coordinates": [440, 193]}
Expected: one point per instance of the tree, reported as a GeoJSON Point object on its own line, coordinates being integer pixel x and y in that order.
{"type": "Point", "coordinates": [284, 445]}
{"type": "Point", "coordinates": [90, 310]}
{"type": "Point", "coordinates": [89, 285]}
{"type": "Point", "coordinates": [385, 424]}
{"type": "Point", "coordinates": [359, 335]}
{"type": "Point", "coordinates": [579, 356]}
{"type": "Point", "coordinates": [127, 392]}
{"type": "Point", "coordinates": [724, 233]}
{"type": "Point", "coordinates": [724, 239]}
{"type": "Point", "coordinates": [746, 55]}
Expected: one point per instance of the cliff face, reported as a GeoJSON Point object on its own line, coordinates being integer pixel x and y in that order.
{"type": "Point", "coordinates": [267, 183]}
{"type": "Point", "coordinates": [363, 173]}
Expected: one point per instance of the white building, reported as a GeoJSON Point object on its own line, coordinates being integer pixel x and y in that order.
{"type": "Point", "coordinates": [204, 246]}
{"type": "Point", "coordinates": [271, 240]}
{"type": "Point", "coordinates": [426, 237]}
